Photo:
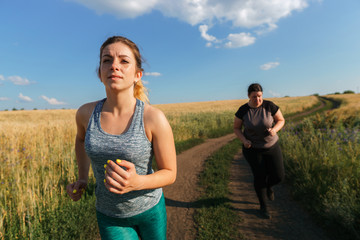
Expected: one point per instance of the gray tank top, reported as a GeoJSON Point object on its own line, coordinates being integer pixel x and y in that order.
{"type": "Point", "coordinates": [133, 146]}
{"type": "Point", "coordinates": [256, 122]}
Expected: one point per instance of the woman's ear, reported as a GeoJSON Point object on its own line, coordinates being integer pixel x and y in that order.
{"type": "Point", "coordinates": [138, 76]}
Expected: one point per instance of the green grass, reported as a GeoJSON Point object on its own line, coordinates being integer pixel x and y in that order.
{"type": "Point", "coordinates": [322, 160]}
{"type": "Point", "coordinates": [200, 125]}
{"type": "Point", "coordinates": [214, 216]}
{"type": "Point", "coordinates": [187, 144]}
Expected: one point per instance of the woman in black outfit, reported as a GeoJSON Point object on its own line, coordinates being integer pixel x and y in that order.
{"type": "Point", "coordinates": [261, 119]}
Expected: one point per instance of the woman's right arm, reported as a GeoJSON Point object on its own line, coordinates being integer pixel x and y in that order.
{"type": "Point", "coordinates": [76, 189]}
{"type": "Point", "coordinates": [238, 132]}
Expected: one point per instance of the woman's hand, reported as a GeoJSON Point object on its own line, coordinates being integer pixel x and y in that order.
{"type": "Point", "coordinates": [238, 132]}
{"type": "Point", "coordinates": [75, 190]}
{"type": "Point", "coordinates": [247, 144]}
{"type": "Point", "coordinates": [121, 177]}
{"type": "Point", "coordinates": [271, 131]}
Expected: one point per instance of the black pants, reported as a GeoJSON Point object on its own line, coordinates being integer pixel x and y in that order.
{"type": "Point", "coordinates": [267, 167]}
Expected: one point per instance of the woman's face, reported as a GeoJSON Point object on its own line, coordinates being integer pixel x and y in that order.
{"type": "Point", "coordinates": [255, 99]}
{"type": "Point", "coordinates": [118, 69]}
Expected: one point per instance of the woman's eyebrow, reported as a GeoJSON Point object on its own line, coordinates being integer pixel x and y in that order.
{"type": "Point", "coordinates": [110, 56]}
{"type": "Point", "coordinates": [107, 55]}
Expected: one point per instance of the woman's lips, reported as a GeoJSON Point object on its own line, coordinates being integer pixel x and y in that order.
{"type": "Point", "coordinates": [115, 77]}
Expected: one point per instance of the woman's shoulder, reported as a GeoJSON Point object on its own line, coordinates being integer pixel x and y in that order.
{"type": "Point", "coordinates": [84, 111]}
{"type": "Point", "coordinates": [270, 106]}
{"type": "Point", "coordinates": [243, 109]}
{"type": "Point", "coordinates": [245, 106]}
{"type": "Point", "coordinates": [154, 119]}
{"type": "Point", "coordinates": [265, 101]}
{"type": "Point", "coordinates": [152, 113]}
{"type": "Point", "coordinates": [87, 107]}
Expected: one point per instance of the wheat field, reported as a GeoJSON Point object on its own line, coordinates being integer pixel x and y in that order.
{"type": "Point", "coordinates": [288, 105]}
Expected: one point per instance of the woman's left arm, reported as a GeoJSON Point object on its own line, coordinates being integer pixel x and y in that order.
{"type": "Point", "coordinates": [159, 131]}
{"type": "Point", "coordinates": [161, 135]}
{"type": "Point", "coordinates": [279, 123]}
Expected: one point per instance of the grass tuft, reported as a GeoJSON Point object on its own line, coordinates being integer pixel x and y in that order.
{"type": "Point", "coordinates": [215, 217]}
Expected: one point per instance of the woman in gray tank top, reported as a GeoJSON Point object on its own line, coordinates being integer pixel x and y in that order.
{"type": "Point", "coordinates": [119, 136]}
{"type": "Point", "coordinates": [261, 120]}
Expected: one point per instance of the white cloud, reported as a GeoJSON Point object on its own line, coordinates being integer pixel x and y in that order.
{"type": "Point", "coordinates": [52, 101]}
{"type": "Point", "coordinates": [203, 30]}
{"type": "Point", "coordinates": [2, 78]}
{"type": "Point", "coordinates": [269, 65]}
{"type": "Point", "coordinates": [232, 41]}
{"type": "Point", "coordinates": [17, 80]}
{"type": "Point", "coordinates": [24, 98]}
{"type": "Point", "coordinates": [259, 15]}
{"type": "Point", "coordinates": [121, 8]}
{"type": "Point", "coordinates": [270, 27]}
{"type": "Point", "coordinates": [152, 74]}
{"type": "Point", "coordinates": [4, 99]}
{"type": "Point", "coordinates": [239, 40]}
{"type": "Point", "coordinates": [191, 11]}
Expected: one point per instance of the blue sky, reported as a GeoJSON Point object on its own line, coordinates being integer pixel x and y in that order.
{"type": "Point", "coordinates": [195, 50]}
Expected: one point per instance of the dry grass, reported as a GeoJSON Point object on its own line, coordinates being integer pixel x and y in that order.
{"type": "Point", "coordinates": [37, 117]}
{"type": "Point", "coordinates": [288, 105]}
{"type": "Point", "coordinates": [350, 105]}
{"type": "Point", "coordinates": [197, 107]}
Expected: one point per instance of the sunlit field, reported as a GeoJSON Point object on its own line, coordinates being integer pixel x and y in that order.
{"type": "Point", "coordinates": [215, 118]}
{"type": "Point", "coordinates": [37, 161]}
{"type": "Point", "coordinates": [322, 158]}
{"type": "Point", "coordinates": [350, 105]}
{"type": "Point", "coordinates": [287, 104]}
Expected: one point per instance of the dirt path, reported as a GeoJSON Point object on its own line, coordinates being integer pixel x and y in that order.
{"type": "Point", "coordinates": [181, 196]}
{"type": "Point", "coordinates": [302, 114]}
{"type": "Point", "coordinates": [288, 221]}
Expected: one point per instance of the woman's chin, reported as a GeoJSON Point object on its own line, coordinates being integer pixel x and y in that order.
{"type": "Point", "coordinates": [118, 87]}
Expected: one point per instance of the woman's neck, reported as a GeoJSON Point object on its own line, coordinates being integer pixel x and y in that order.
{"type": "Point", "coordinates": [253, 106]}
{"type": "Point", "coordinates": [119, 103]}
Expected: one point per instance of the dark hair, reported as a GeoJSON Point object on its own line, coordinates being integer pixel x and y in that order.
{"type": "Point", "coordinates": [140, 91]}
{"type": "Point", "coordinates": [255, 87]}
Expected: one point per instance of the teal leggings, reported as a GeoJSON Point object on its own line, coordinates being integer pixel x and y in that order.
{"type": "Point", "coordinates": [150, 224]}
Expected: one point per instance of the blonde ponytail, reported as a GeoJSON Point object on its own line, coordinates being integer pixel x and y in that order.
{"type": "Point", "coordinates": [140, 92]}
